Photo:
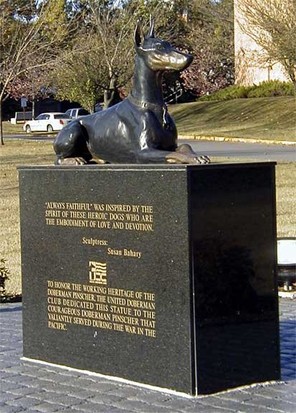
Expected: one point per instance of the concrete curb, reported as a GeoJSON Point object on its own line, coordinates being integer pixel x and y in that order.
{"type": "Point", "coordinates": [236, 140]}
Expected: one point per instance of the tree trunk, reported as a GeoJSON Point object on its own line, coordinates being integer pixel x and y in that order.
{"type": "Point", "coordinates": [111, 95]}
{"type": "Point", "coordinates": [1, 126]}
{"type": "Point", "coordinates": [33, 107]}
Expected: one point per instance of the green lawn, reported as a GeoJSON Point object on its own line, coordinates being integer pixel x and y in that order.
{"type": "Point", "coordinates": [258, 118]}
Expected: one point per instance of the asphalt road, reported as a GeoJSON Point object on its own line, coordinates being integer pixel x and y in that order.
{"type": "Point", "coordinates": [251, 151]}
{"type": "Point", "coordinates": [248, 151]}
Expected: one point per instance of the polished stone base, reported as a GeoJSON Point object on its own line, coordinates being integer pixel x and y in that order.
{"type": "Point", "coordinates": [162, 275]}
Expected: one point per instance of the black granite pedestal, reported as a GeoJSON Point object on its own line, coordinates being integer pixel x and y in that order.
{"type": "Point", "coordinates": [162, 275]}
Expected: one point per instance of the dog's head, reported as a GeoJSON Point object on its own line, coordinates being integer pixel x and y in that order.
{"type": "Point", "coordinates": [158, 54]}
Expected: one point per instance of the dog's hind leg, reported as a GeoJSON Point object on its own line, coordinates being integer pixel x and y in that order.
{"type": "Point", "coordinates": [70, 145]}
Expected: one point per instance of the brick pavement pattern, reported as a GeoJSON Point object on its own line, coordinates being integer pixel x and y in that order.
{"type": "Point", "coordinates": [32, 387]}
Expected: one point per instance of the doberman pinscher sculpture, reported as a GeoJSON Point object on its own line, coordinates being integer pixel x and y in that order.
{"type": "Point", "coordinates": [138, 129]}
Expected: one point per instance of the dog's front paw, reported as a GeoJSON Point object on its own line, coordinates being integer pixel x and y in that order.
{"type": "Point", "coordinates": [187, 158]}
{"type": "Point", "coordinates": [191, 156]}
{"type": "Point", "coordinates": [71, 161]}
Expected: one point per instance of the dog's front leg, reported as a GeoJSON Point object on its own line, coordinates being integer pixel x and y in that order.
{"type": "Point", "coordinates": [151, 155]}
{"type": "Point", "coordinates": [183, 155]}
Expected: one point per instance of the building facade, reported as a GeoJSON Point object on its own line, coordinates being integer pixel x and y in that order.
{"type": "Point", "coordinates": [249, 70]}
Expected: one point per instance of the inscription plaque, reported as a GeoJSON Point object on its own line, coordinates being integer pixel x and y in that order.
{"type": "Point", "coordinates": [158, 274]}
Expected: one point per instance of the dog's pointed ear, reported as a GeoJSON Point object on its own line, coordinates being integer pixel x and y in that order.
{"type": "Point", "coordinates": [151, 29]}
{"type": "Point", "coordinates": [138, 34]}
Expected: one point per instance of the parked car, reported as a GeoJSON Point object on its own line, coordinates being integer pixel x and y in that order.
{"type": "Point", "coordinates": [99, 106]}
{"type": "Point", "coordinates": [76, 113]}
{"type": "Point", "coordinates": [47, 122]}
{"type": "Point", "coordinates": [286, 262]}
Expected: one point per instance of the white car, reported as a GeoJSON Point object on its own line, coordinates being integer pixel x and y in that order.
{"type": "Point", "coordinates": [47, 122]}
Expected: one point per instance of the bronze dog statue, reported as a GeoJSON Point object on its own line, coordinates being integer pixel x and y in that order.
{"type": "Point", "coordinates": [138, 129]}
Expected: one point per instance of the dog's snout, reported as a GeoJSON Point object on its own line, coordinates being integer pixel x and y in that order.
{"type": "Point", "coordinates": [174, 60]}
{"type": "Point", "coordinates": [189, 58]}
{"type": "Point", "coordinates": [181, 61]}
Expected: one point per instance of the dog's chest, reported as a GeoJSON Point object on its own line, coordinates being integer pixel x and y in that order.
{"type": "Point", "coordinates": [152, 125]}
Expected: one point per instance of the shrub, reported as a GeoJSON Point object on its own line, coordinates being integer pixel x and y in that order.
{"type": "Point", "coordinates": [4, 272]}
{"type": "Point", "coordinates": [231, 92]}
{"type": "Point", "coordinates": [264, 89]}
{"type": "Point", "coordinates": [272, 88]}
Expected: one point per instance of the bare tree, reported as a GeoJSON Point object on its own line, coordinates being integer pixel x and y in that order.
{"type": "Point", "coordinates": [272, 25]}
{"type": "Point", "coordinates": [31, 37]}
{"type": "Point", "coordinates": [33, 86]}
{"type": "Point", "coordinates": [80, 75]}
{"type": "Point", "coordinates": [101, 60]}
{"type": "Point", "coordinates": [101, 56]}
{"type": "Point", "coordinates": [210, 40]}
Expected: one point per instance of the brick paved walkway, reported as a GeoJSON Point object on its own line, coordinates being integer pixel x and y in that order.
{"type": "Point", "coordinates": [30, 387]}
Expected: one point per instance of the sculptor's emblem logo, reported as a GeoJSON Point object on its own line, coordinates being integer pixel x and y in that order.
{"type": "Point", "coordinates": [97, 272]}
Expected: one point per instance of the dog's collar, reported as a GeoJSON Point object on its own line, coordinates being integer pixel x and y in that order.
{"type": "Point", "coordinates": [152, 106]}
{"type": "Point", "coordinates": [147, 105]}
